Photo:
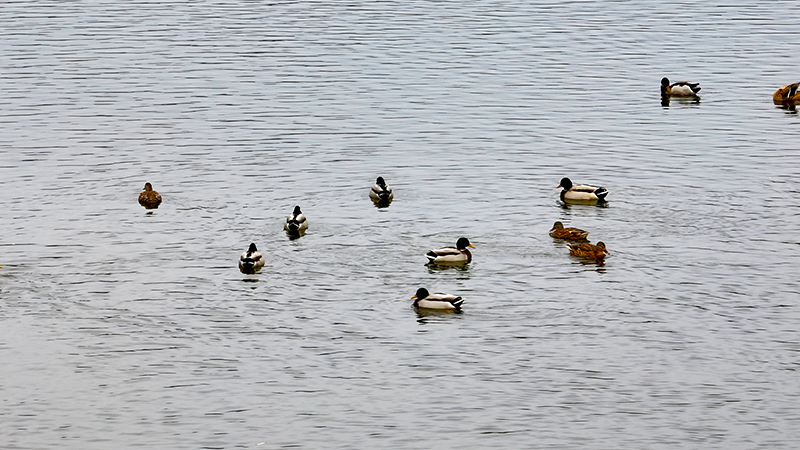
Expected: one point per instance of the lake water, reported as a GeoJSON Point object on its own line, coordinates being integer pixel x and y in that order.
{"type": "Point", "coordinates": [123, 328]}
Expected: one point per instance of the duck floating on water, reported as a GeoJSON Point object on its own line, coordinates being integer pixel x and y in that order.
{"type": "Point", "coordinates": [679, 89]}
{"type": "Point", "coordinates": [296, 222]}
{"type": "Point", "coordinates": [251, 260]}
{"type": "Point", "coordinates": [590, 251]}
{"type": "Point", "coordinates": [437, 301]}
{"type": "Point", "coordinates": [451, 255]}
{"type": "Point", "coordinates": [149, 198]}
{"type": "Point", "coordinates": [581, 193]}
{"type": "Point", "coordinates": [568, 234]}
{"type": "Point", "coordinates": [787, 95]}
{"type": "Point", "coordinates": [381, 193]}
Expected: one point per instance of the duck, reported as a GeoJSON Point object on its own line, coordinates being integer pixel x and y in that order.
{"type": "Point", "coordinates": [251, 260]}
{"type": "Point", "coordinates": [438, 301]}
{"type": "Point", "coordinates": [679, 89]}
{"type": "Point", "coordinates": [381, 193]}
{"type": "Point", "coordinates": [568, 234]}
{"type": "Point", "coordinates": [581, 193]}
{"type": "Point", "coordinates": [586, 250]}
{"type": "Point", "coordinates": [451, 255]}
{"type": "Point", "coordinates": [296, 222]}
{"type": "Point", "coordinates": [787, 94]}
{"type": "Point", "coordinates": [149, 198]}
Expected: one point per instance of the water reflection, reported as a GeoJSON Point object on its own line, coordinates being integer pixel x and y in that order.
{"type": "Point", "coordinates": [295, 234]}
{"type": "Point", "coordinates": [578, 204]}
{"type": "Point", "coordinates": [436, 268]}
{"type": "Point", "coordinates": [425, 315]}
{"type": "Point", "coordinates": [665, 100]}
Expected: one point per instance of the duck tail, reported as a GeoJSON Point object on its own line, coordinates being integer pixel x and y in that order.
{"type": "Point", "coordinates": [247, 266]}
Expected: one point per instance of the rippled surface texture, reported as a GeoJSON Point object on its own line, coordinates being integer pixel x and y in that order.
{"type": "Point", "coordinates": [123, 329]}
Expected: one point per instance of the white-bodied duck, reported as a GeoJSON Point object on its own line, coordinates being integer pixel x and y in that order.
{"type": "Point", "coordinates": [679, 89]}
{"type": "Point", "coordinates": [381, 193]}
{"type": "Point", "coordinates": [581, 193]}
{"type": "Point", "coordinates": [451, 255]}
{"type": "Point", "coordinates": [296, 222]}
{"type": "Point", "coordinates": [251, 260]}
{"type": "Point", "coordinates": [438, 301]}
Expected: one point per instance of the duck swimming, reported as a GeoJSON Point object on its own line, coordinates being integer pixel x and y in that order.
{"type": "Point", "coordinates": [451, 255]}
{"type": "Point", "coordinates": [149, 198]}
{"type": "Point", "coordinates": [679, 89]}
{"type": "Point", "coordinates": [251, 260]}
{"type": "Point", "coordinates": [568, 234]}
{"type": "Point", "coordinates": [296, 222]}
{"type": "Point", "coordinates": [787, 95]}
{"type": "Point", "coordinates": [381, 193]}
{"type": "Point", "coordinates": [439, 301]}
{"type": "Point", "coordinates": [587, 250]}
{"type": "Point", "coordinates": [581, 193]}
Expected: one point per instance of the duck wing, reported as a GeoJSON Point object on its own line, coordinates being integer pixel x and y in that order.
{"type": "Point", "coordinates": [447, 254]}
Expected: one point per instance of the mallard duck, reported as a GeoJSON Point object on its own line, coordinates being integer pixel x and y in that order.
{"type": "Point", "coordinates": [581, 193]}
{"type": "Point", "coordinates": [787, 94]}
{"type": "Point", "coordinates": [587, 250]}
{"type": "Point", "coordinates": [569, 234]}
{"type": "Point", "coordinates": [296, 222]}
{"type": "Point", "coordinates": [451, 255]}
{"type": "Point", "coordinates": [149, 198]}
{"type": "Point", "coordinates": [251, 260]}
{"type": "Point", "coordinates": [381, 192]}
{"type": "Point", "coordinates": [443, 302]}
{"type": "Point", "coordinates": [679, 89]}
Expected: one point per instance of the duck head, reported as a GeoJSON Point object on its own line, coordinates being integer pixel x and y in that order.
{"type": "Point", "coordinates": [463, 243]}
{"type": "Point", "coordinates": [566, 183]}
{"type": "Point", "coordinates": [421, 294]}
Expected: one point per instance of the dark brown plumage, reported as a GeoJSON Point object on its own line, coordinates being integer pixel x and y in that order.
{"type": "Point", "coordinates": [149, 198]}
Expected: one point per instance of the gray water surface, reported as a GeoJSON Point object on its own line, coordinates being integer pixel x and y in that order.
{"type": "Point", "coordinates": [127, 328]}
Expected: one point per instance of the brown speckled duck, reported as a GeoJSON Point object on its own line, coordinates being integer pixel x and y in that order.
{"type": "Point", "coordinates": [787, 95]}
{"type": "Point", "coordinates": [568, 234]}
{"type": "Point", "coordinates": [149, 198]}
{"type": "Point", "coordinates": [586, 250]}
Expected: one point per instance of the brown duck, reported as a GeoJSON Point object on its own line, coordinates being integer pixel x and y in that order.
{"type": "Point", "coordinates": [787, 95]}
{"type": "Point", "coordinates": [568, 234]}
{"type": "Point", "coordinates": [586, 250]}
{"type": "Point", "coordinates": [149, 198]}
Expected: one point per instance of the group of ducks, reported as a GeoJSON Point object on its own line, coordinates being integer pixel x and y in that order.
{"type": "Point", "coordinates": [786, 95]}
{"type": "Point", "coordinates": [252, 261]}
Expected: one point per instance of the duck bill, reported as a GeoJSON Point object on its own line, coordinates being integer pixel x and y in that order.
{"type": "Point", "coordinates": [471, 245]}
{"type": "Point", "coordinates": [558, 186]}
{"type": "Point", "coordinates": [414, 296]}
